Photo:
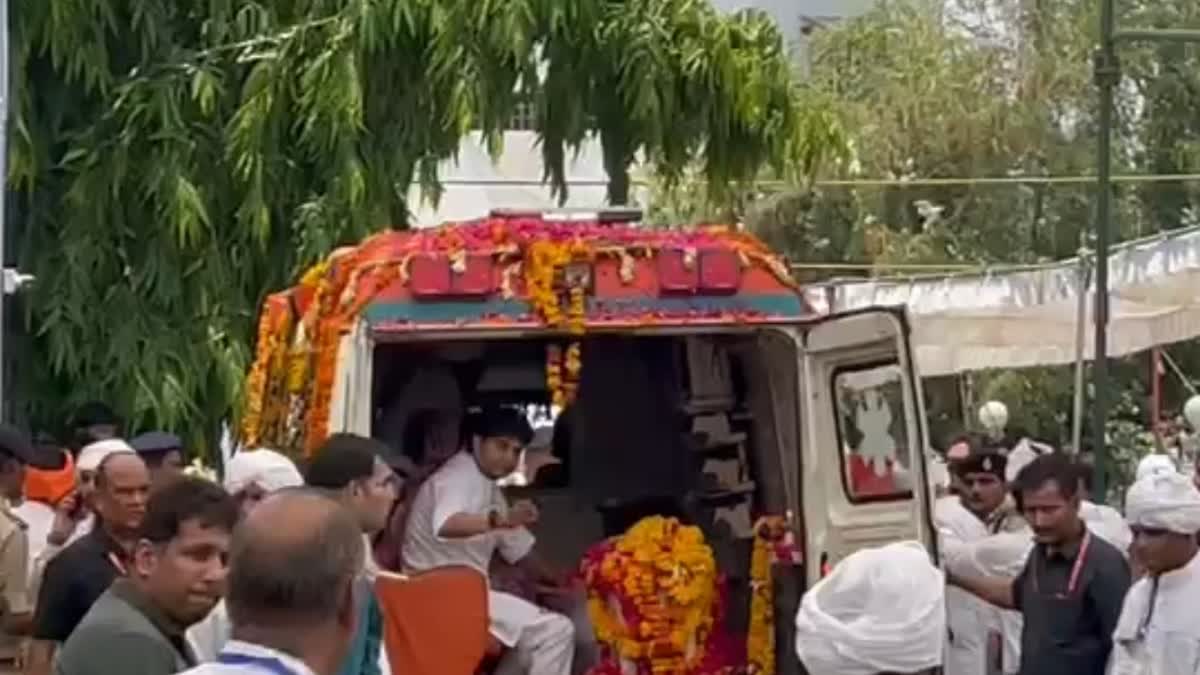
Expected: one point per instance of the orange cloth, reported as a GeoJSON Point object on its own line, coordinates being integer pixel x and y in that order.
{"type": "Point", "coordinates": [50, 486]}
{"type": "Point", "coordinates": [435, 622]}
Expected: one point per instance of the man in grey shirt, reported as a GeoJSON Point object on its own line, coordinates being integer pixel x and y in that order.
{"type": "Point", "coordinates": [177, 575]}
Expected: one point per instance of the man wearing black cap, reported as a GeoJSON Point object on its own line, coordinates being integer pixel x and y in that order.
{"type": "Point", "coordinates": [163, 454]}
{"type": "Point", "coordinates": [16, 453]}
{"type": "Point", "coordinates": [984, 490]}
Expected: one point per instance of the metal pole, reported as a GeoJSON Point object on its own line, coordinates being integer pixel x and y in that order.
{"type": "Point", "coordinates": [1081, 317]}
{"type": "Point", "coordinates": [1108, 75]}
{"type": "Point", "coordinates": [3, 186]}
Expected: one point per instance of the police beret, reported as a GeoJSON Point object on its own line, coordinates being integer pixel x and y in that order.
{"type": "Point", "coordinates": [156, 441]}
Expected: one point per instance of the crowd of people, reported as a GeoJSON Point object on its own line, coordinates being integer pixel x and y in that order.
{"type": "Point", "coordinates": [114, 560]}
{"type": "Point", "coordinates": [117, 561]}
{"type": "Point", "coordinates": [1043, 581]}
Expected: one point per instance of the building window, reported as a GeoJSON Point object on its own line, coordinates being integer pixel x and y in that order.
{"type": "Point", "coordinates": [524, 117]}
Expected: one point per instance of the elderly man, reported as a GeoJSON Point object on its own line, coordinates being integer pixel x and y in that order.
{"type": "Point", "coordinates": [80, 574]}
{"type": "Point", "coordinates": [250, 476]}
{"type": "Point", "coordinates": [1158, 632]}
{"type": "Point", "coordinates": [292, 619]}
{"type": "Point", "coordinates": [460, 517]}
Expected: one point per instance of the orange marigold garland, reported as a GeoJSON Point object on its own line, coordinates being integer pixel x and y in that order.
{"type": "Point", "coordinates": [760, 638]}
{"type": "Point", "coordinates": [655, 603]}
{"type": "Point", "coordinates": [256, 382]}
{"type": "Point", "coordinates": [291, 411]}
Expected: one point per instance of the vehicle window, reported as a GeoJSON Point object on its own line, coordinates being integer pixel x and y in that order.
{"type": "Point", "coordinates": [872, 433]}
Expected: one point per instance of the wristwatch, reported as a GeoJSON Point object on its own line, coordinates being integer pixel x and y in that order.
{"type": "Point", "coordinates": [495, 522]}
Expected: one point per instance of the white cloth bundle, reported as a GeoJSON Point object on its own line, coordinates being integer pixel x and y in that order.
{"type": "Point", "coordinates": [1167, 501]}
{"type": "Point", "coordinates": [1107, 523]}
{"type": "Point", "coordinates": [879, 610]}
{"type": "Point", "coordinates": [1154, 464]}
{"type": "Point", "coordinates": [1022, 455]}
{"type": "Point", "coordinates": [268, 469]}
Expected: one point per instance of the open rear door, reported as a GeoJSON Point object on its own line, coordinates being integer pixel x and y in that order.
{"type": "Point", "coordinates": [864, 438]}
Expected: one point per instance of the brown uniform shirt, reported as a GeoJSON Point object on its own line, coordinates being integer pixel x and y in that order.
{"type": "Point", "coordinates": [14, 563]}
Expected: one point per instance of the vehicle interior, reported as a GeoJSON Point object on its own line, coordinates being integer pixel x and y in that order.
{"type": "Point", "coordinates": [701, 427]}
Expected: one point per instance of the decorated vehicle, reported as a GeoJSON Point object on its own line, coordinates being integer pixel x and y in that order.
{"type": "Point", "coordinates": [708, 425]}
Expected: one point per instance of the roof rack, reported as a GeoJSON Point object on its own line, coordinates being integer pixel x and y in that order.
{"type": "Point", "coordinates": [604, 216]}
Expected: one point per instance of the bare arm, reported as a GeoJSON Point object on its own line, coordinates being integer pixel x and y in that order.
{"type": "Point", "coordinates": [992, 590]}
{"type": "Point", "coordinates": [19, 624]}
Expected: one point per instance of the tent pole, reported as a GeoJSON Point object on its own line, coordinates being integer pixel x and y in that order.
{"type": "Point", "coordinates": [1080, 342]}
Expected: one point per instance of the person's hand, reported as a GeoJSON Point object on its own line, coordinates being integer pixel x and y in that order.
{"type": "Point", "coordinates": [522, 514]}
{"type": "Point", "coordinates": [66, 518]}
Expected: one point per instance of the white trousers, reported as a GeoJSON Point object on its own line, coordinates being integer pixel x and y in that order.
{"type": "Point", "coordinates": [540, 642]}
{"type": "Point", "coordinates": [966, 646]}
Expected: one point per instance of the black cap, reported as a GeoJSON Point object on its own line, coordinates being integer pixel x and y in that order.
{"type": "Point", "coordinates": [986, 459]}
{"type": "Point", "coordinates": [153, 442]}
{"type": "Point", "coordinates": [15, 444]}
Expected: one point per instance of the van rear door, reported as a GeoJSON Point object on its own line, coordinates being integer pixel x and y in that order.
{"type": "Point", "coordinates": [863, 448]}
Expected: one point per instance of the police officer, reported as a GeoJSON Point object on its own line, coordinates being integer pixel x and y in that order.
{"type": "Point", "coordinates": [16, 452]}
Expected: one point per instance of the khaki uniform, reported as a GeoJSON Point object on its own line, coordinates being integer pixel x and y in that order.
{"type": "Point", "coordinates": [14, 563]}
{"type": "Point", "coordinates": [1006, 519]}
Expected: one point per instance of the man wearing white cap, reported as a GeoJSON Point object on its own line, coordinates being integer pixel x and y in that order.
{"type": "Point", "coordinates": [250, 476]}
{"type": "Point", "coordinates": [880, 610]}
{"type": "Point", "coordinates": [1158, 632]}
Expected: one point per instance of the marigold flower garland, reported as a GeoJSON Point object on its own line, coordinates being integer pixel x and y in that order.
{"type": "Point", "coordinates": [760, 638]}
{"type": "Point", "coordinates": [289, 386]}
{"type": "Point", "coordinates": [655, 602]}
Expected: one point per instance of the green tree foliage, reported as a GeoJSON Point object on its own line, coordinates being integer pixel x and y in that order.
{"type": "Point", "coordinates": [173, 161]}
{"type": "Point", "coordinates": [946, 89]}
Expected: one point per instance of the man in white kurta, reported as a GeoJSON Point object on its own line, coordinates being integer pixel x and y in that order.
{"type": "Point", "coordinates": [965, 614]}
{"type": "Point", "coordinates": [461, 497]}
{"type": "Point", "coordinates": [1159, 629]}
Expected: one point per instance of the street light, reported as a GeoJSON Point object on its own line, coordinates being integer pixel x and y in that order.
{"type": "Point", "coordinates": [1107, 72]}
{"type": "Point", "coordinates": [1191, 412]}
{"type": "Point", "coordinates": [993, 415]}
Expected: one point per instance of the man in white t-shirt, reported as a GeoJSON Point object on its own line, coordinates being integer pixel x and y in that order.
{"type": "Point", "coordinates": [460, 517]}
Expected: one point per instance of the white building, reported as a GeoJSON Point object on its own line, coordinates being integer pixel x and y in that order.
{"type": "Point", "coordinates": [474, 184]}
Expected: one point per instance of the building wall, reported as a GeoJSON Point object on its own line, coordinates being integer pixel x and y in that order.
{"type": "Point", "coordinates": [474, 184]}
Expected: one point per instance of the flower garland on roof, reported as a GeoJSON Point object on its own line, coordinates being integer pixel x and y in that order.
{"type": "Point", "coordinates": [546, 261]}
{"type": "Point", "coordinates": [287, 405]}
{"type": "Point", "coordinates": [654, 601]}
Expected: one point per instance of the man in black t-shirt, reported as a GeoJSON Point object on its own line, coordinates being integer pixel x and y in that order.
{"type": "Point", "coordinates": [81, 573]}
{"type": "Point", "coordinates": [1073, 584]}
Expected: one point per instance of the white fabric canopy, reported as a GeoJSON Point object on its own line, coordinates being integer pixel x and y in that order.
{"type": "Point", "coordinates": [1018, 319]}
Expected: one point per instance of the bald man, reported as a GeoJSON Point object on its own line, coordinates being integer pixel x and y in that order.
{"type": "Point", "coordinates": [80, 574]}
{"type": "Point", "coordinates": [295, 619]}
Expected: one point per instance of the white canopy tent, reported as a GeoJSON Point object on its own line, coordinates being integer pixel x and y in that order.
{"type": "Point", "coordinates": [1029, 317]}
